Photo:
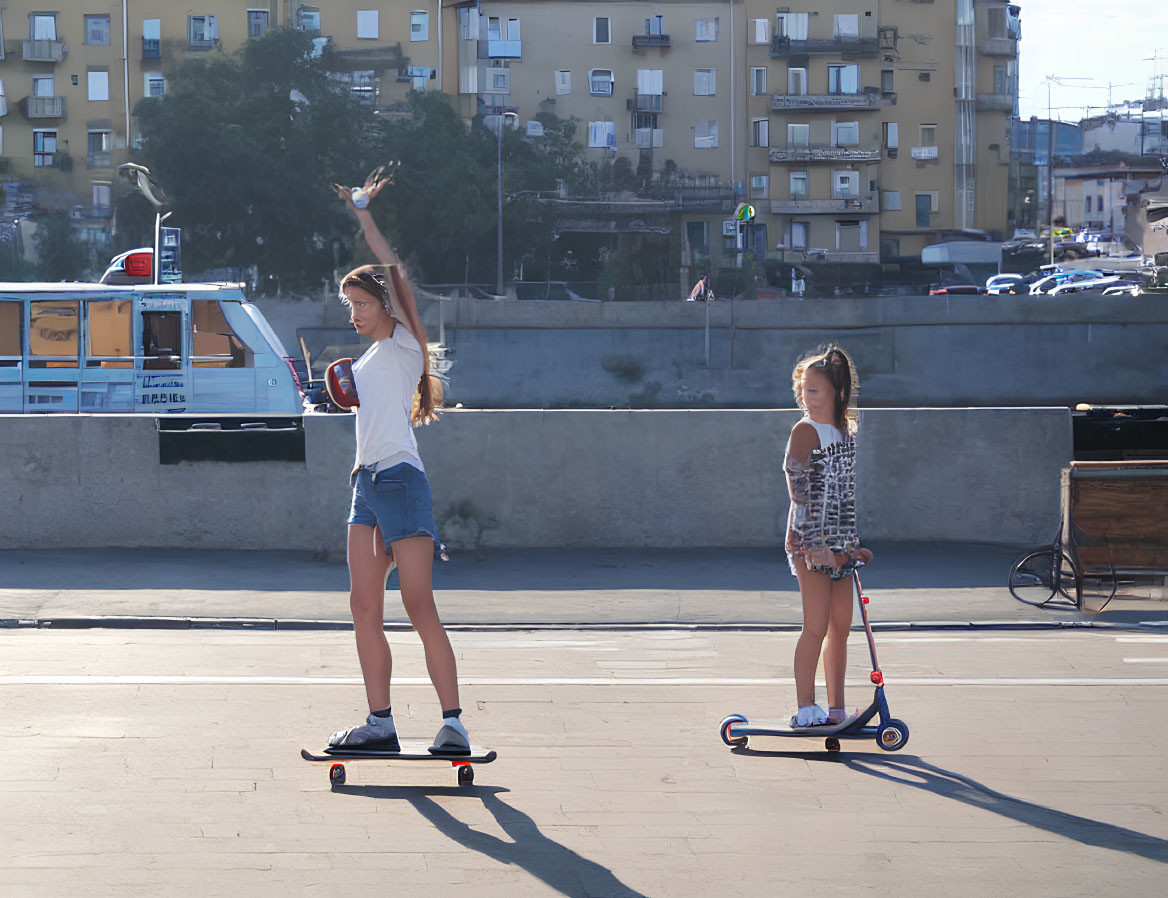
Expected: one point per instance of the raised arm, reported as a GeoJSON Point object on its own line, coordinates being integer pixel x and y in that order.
{"type": "Point", "coordinates": [374, 239]}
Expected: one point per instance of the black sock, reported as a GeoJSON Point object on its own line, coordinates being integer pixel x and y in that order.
{"type": "Point", "coordinates": [385, 713]}
{"type": "Point", "coordinates": [453, 712]}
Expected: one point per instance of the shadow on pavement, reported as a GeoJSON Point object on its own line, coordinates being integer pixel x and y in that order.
{"type": "Point", "coordinates": [561, 868]}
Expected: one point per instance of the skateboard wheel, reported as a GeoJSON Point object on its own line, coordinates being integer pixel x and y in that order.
{"type": "Point", "coordinates": [465, 774]}
{"type": "Point", "coordinates": [337, 774]}
{"type": "Point", "coordinates": [832, 744]}
{"type": "Point", "coordinates": [893, 736]}
{"type": "Point", "coordinates": [728, 737]}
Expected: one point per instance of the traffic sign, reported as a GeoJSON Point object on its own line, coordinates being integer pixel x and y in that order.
{"type": "Point", "coordinates": [729, 227]}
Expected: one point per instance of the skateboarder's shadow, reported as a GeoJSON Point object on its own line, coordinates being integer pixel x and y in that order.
{"type": "Point", "coordinates": [910, 770]}
{"type": "Point", "coordinates": [561, 868]}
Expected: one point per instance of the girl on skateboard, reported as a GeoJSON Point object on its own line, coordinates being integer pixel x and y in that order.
{"type": "Point", "coordinates": [823, 547]}
{"type": "Point", "coordinates": [391, 520]}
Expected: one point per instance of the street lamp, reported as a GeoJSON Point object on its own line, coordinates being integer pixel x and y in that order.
{"type": "Point", "coordinates": [1059, 80]}
{"type": "Point", "coordinates": [139, 177]}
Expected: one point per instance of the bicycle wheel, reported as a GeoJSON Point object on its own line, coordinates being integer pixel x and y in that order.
{"type": "Point", "coordinates": [1038, 577]}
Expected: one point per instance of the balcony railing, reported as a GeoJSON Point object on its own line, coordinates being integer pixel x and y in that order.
{"type": "Point", "coordinates": [825, 154]}
{"type": "Point", "coordinates": [98, 159]}
{"type": "Point", "coordinates": [646, 102]}
{"type": "Point", "coordinates": [45, 51]}
{"type": "Point", "coordinates": [650, 40]}
{"type": "Point", "coordinates": [855, 204]}
{"type": "Point", "coordinates": [924, 153]}
{"type": "Point", "coordinates": [43, 107]}
{"type": "Point", "coordinates": [998, 46]}
{"type": "Point", "coordinates": [995, 102]}
{"type": "Point", "coordinates": [499, 49]}
{"type": "Point", "coordinates": [866, 100]}
{"type": "Point", "coordinates": [847, 47]}
{"type": "Point", "coordinates": [151, 48]}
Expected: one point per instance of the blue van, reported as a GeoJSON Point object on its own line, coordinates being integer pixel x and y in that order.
{"type": "Point", "coordinates": [164, 349]}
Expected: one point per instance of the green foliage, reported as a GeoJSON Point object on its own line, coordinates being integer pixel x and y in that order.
{"type": "Point", "coordinates": [59, 255]}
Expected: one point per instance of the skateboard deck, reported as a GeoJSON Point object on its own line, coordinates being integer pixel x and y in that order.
{"type": "Point", "coordinates": [411, 750]}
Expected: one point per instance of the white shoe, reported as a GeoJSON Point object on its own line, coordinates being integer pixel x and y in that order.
{"type": "Point", "coordinates": [452, 739]}
{"type": "Point", "coordinates": [809, 716]}
{"type": "Point", "coordinates": [376, 732]}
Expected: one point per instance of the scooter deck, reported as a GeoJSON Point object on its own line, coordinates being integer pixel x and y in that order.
{"type": "Point", "coordinates": [411, 750]}
{"type": "Point", "coordinates": [852, 728]}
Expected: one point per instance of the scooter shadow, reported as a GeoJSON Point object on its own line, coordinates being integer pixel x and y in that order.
{"type": "Point", "coordinates": [911, 770]}
{"type": "Point", "coordinates": [559, 867]}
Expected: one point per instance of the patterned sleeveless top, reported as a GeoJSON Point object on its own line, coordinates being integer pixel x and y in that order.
{"type": "Point", "coordinates": [823, 503]}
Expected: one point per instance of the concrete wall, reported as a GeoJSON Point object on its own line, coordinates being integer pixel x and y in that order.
{"type": "Point", "coordinates": [539, 478]}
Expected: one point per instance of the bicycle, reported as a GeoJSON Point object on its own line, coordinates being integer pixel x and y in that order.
{"type": "Point", "coordinates": [1046, 576]}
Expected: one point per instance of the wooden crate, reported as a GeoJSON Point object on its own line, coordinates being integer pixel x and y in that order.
{"type": "Point", "coordinates": [1115, 513]}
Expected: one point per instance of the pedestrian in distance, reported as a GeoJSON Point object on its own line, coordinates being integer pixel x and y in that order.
{"type": "Point", "coordinates": [391, 520]}
{"type": "Point", "coordinates": [823, 547]}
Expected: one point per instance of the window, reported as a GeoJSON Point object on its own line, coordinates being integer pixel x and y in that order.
{"type": "Point", "coordinates": [213, 342]}
{"type": "Point", "coordinates": [886, 82]}
{"type": "Point", "coordinates": [101, 194]}
{"type": "Point", "coordinates": [44, 145]}
{"type": "Point", "coordinates": [53, 330]}
{"type": "Point", "coordinates": [851, 236]}
{"type": "Point", "coordinates": [706, 135]}
{"type": "Point", "coordinates": [97, 30]}
{"type": "Point", "coordinates": [602, 134]}
{"type": "Point", "coordinates": [847, 27]}
{"type": "Point", "coordinates": [705, 30]}
{"type": "Point", "coordinates": [308, 19]}
{"type": "Point", "coordinates": [697, 233]}
{"type": "Point", "coordinates": [99, 85]}
{"type": "Point", "coordinates": [1005, 78]}
{"type": "Point", "coordinates": [705, 82]}
{"type": "Point", "coordinates": [890, 201]}
{"type": "Point", "coordinates": [1099, 203]}
{"type": "Point", "coordinates": [926, 204]}
{"type": "Point", "coordinates": [643, 120]}
{"type": "Point", "coordinates": [512, 29]}
{"type": "Point", "coordinates": [155, 85]}
{"type": "Point", "coordinates": [791, 25]}
{"type": "Point", "coordinates": [601, 31]}
{"type": "Point", "coordinates": [152, 38]}
{"type": "Point", "coordinates": [10, 329]}
{"type": "Point", "coordinates": [845, 134]}
{"type": "Point", "coordinates": [758, 81]}
{"type": "Point", "coordinates": [202, 32]}
{"type": "Point", "coordinates": [843, 79]}
{"type": "Point", "coordinates": [563, 83]}
{"type": "Point", "coordinates": [367, 24]}
{"type": "Point", "coordinates": [891, 135]}
{"type": "Point", "coordinates": [997, 22]}
{"type": "Point", "coordinates": [799, 231]}
{"type": "Point", "coordinates": [1087, 205]}
{"type": "Point", "coordinates": [760, 31]}
{"type": "Point", "coordinates": [42, 26]}
{"type": "Point", "coordinates": [419, 25]}
{"type": "Point", "coordinates": [600, 82]}
{"type": "Point", "coordinates": [494, 28]}
{"type": "Point", "coordinates": [420, 76]}
{"type": "Point", "coordinates": [798, 135]}
{"type": "Point", "coordinates": [928, 135]}
{"type": "Point", "coordinates": [655, 25]}
{"type": "Point", "coordinates": [257, 22]}
{"type": "Point", "coordinates": [498, 81]}
{"type": "Point", "coordinates": [109, 329]}
{"type": "Point", "coordinates": [650, 82]}
{"type": "Point", "coordinates": [97, 150]}
{"type": "Point", "coordinates": [760, 185]}
{"type": "Point", "coordinates": [799, 185]}
{"type": "Point", "coordinates": [42, 86]}
{"type": "Point", "coordinates": [760, 132]}
{"type": "Point", "coordinates": [797, 82]}
{"type": "Point", "coordinates": [845, 185]}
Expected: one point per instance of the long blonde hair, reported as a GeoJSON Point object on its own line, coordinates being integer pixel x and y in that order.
{"type": "Point", "coordinates": [834, 363]}
{"type": "Point", "coordinates": [396, 295]}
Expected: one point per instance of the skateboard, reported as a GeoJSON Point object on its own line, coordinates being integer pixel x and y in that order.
{"type": "Point", "coordinates": [411, 750]}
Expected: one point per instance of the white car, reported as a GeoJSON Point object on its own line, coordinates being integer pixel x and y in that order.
{"type": "Point", "coordinates": [1084, 286]}
{"type": "Point", "coordinates": [1006, 283]}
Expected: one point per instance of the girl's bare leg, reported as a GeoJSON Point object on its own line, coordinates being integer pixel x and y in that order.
{"type": "Point", "coordinates": [835, 653]}
{"type": "Point", "coordinates": [815, 591]}
{"type": "Point", "coordinates": [368, 564]}
{"type": "Point", "coordinates": [415, 568]}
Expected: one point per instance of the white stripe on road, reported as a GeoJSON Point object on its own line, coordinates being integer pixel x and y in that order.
{"type": "Point", "coordinates": [147, 680]}
{"type": "Point", "coordinates": [1145, 660]}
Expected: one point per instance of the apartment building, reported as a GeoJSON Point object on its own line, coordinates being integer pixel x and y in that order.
{"type": "Point", "coordinates": [70, 79]}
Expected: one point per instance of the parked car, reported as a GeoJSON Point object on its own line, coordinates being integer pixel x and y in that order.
{"type": "Point", "coordinates": [1006, 284]}
{"type": "Point", "coordinates": [1084, 286]}
{"type": "Point", "coordinates": [958, 290]}
{"type": "Point", "coordinates": [1048, 283]}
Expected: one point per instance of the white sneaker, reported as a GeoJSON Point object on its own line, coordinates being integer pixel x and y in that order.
{"type": "Point", "coordinates": [376, 732]}
{"type": "Point", "coordinates": [809, 716]}
{"type": "Point", "coordinates": [452, 739]}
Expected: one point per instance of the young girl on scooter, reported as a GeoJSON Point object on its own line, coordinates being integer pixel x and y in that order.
{"type": "Point", "coordinates": [823, 547]}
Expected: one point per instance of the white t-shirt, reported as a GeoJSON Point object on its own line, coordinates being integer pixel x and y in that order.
{"type": "Point", "coordinates": [387, 377]}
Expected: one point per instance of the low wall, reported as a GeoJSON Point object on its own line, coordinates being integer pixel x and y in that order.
{"type": "Point", "coordinates": [659, 479]}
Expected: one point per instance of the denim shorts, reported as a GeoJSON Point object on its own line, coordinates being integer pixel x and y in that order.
{"type": "Point", "coordinates": [397, 500]}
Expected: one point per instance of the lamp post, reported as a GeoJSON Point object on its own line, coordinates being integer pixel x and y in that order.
{"type": "Point", "coordinates": [499, 204]}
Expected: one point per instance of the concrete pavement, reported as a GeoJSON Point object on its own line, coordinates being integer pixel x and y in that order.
{"type": "Point", "coordinates": [149, 762]}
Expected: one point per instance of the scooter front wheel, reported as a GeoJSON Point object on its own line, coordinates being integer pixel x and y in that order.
{"type": "Point", "coordinates": [893, 736]}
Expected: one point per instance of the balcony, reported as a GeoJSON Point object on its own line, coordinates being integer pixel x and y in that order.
{"type": "Point", "coordinates": [385, 56]}
{"type": "Point", "coordinates": [825, 154]}
{"type": "Point", "coordinates": [43, 107]}
{"type": "Point", "coordinates": [716, 197]}
{"type": "Point", "coordinates": [650, 40]}
{"type": "Point", "coordinates": [646, 102]}
{"type": "Point", "coordinates": [924, 154]}
{"type": "Point", "coordinates": [998, 46]}
{"type": "Point", "coordinates": [866, 100]}
{"type": "Point", "coordinates": [995, 102]}
{"type": "Point", "coordinates": [200, 45]}
{"type": "Point", "coordinates": [499, 49]}
{"type": "Point", "coordinates": [647, 138]}
{"type": "Point", "coordinates": [839, 206]}
{"type": "Point", "coordinates": [846, 47]}
{"type": "Point", "coordinates": [45, 51]}
{"type": "Point", "coordinates": [151, 48]}
{"type": "Point", "coordinates": [98, 159]}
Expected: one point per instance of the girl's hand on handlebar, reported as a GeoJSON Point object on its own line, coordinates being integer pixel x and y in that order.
{"type": "Point", "coordinates": [864, 556]}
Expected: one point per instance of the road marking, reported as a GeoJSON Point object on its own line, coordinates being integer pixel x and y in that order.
{"type": "Point", "coordinates": [1157, 639]}
{"type": "Point", "coordinates": [149, 680]}
{"type": "Point", "coordinates": [1145, 660]}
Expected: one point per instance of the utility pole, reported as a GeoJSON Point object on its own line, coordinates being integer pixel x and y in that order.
{"type": "Point", "coordinates": [499, 234]}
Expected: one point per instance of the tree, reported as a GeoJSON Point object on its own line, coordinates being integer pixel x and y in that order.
{"type": "Point", "coordinates": [247, 168]}
{"type": "Point", "coordinates": [59, 256]}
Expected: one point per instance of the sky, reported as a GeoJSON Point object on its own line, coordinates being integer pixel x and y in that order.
{"type": "Point", "coordinates": [1095, 40]}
